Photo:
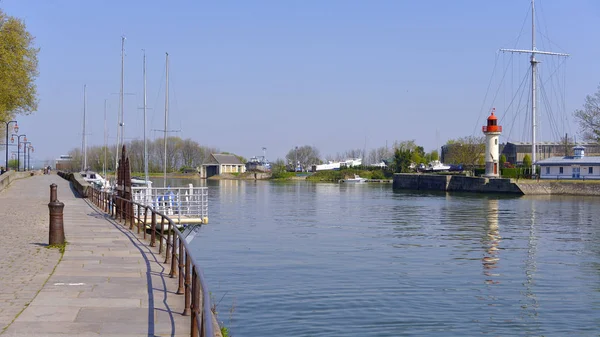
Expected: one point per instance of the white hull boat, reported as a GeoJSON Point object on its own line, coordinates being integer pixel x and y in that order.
{"type": "Point", "coordinates": [356, 179]}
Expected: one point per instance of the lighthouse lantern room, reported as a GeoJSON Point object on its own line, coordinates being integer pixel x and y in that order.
{"type": "Point", "coordinates": [492, 132]}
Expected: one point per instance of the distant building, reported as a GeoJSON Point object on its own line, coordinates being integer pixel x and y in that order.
{"type": "Point", "coordinates": [221, 163]}
{"type": "Point", "coordinates": [516, 151]}
{"type": "Point", "coordinates": [577, 166]}
{"type": "Point", "coordinates": [64, 163]}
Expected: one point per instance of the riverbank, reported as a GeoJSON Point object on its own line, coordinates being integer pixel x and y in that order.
{"type": "Point", "coordinates": [457, 183]}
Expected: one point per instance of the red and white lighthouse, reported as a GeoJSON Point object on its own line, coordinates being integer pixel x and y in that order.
{"type": "Point", "coordinates": [492, 132]}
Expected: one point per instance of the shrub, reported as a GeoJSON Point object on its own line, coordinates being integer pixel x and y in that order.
{"type": "Point", "coordinates": [509, 172]}
{"type": "Point", "coordinates": [377, 175]}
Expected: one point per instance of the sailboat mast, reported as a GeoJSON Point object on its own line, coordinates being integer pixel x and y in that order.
{"type": "Point", "coordinates": [145, 142]}
{"type": "Point", "coordinates": [533, 52]}
{"type": "Point", "coordinates": [104, 161]}
{"type": "Point", "coordinates": [83, 140]}
{"type": "Point", "coordinates": [166, 118]}
{"type": "Point", "coordinates": [534, 63]}
{"type": "Point", "coordinates": [121, 98]}
{"type": "Point", "coordinates": [120, 112]}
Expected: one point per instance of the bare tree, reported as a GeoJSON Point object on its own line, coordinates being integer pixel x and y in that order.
{"type": "Point", "coordinates": [588, 118]}
{"type": "Point", "coordinates": [190, 153]}
{"type": "Point", "coordinates": [306, 156]}
{"type": "Point", "coordinates": [378, 155]}
{"type": "Point", "coordinates": [468, 151]}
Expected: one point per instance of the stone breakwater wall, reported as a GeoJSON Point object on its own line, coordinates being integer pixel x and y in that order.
{"type": "Point", "coordinates": [448, 183]}
{"type": "Point", "coordinates": [455, 183]}
{"type": "Point", "coordinates": [81, 186]}
{"type": "Point", "coordinates": [559, 188]}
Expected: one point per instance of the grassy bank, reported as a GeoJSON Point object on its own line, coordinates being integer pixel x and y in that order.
{"type": "Point", "coordinates": [335, 176]}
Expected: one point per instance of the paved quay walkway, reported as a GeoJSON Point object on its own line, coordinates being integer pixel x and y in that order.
{"type": "Point", "coordinates": [108, 283]}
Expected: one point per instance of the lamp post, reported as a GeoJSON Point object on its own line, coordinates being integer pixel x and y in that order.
{"type": "Point", "coordinates": [16, 129]}
{"type": "Point", "coordinates": [29, 155]}
{"type": "Point", "coordinates": [12, 140]}
{"type": "Point", "coordinates": [26, 146]}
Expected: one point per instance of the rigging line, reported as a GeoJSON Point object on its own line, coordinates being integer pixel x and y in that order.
{"type": "Point", "coordinates": [555, 83]}
{"type": "Point", "coordinates": [527, 121]}
{"type": "Point", "coordinates": [552, 114]}
{"type": "Point", "coordinates": [486, 94]}
{"type": "Point", "coordinates": [551, 78]}
{"type": "Point", "coordinates": [522, 28]}
{"type": "Point", "coordinates": [517, 109]}
{"type": "Point", "coordinates": [543, 15]}
{"type": "Point", "coordinates": [565, 98]}
{"type": "Point", "coordinates": [498, 90]}
{"type": "Point", "coordinates": [156, 101]}
{"type": "Point", "coordinates": [548, 108]}
{"type": "Point", "coordinates": [523, 82]}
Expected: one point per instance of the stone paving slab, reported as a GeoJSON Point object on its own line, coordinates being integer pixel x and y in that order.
{"type": "Point", "coordinates": [109, 282]}
{"type": "Point", "coordinates": [26, 264]}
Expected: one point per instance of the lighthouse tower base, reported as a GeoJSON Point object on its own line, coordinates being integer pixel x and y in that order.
{"type": "Point", "coordinates": [492, 169]}
{"type": "Point", "coordinates": [492, 158]}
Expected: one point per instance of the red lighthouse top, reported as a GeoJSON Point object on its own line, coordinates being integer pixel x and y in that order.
{"type": "Point", "coordinates": [492, 124]}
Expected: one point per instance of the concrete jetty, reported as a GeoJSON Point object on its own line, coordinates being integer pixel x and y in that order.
{"type": "Point", "coordinates": [108, 282]}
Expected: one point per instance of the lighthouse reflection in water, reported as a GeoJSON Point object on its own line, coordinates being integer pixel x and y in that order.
{"type": "Point", "coordinates": [491, 244]}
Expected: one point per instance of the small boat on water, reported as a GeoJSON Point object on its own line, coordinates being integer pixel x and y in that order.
{"type": "Point", "coordinates": [138, 181]}
{"type": "Point", "coordinates": [356, 179]}
{"type": "Point", "coordinates": [94, 178]}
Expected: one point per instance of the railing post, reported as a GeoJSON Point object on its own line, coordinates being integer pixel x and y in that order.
{"type": "Point", "coordinates": [153, 230]}
{"type": "Point", "coordinates": [169, 244]}
{"type": "Point", "coordinates": [195, 305]}
{"type": "Point", "coordinates": [173, 271]}
{"type": "Point", "coordinates": [118, 209]}
{"type": "Point", "coordinates": [162, 234]}
{"type": "Point", "coordinates": [145, 219]}
{"type": "Point", "coordinates": [180, 265]}
{"type": "Point", "coordinates": [138, 218]}
{"type": "Point", "coordinates": [132, 214]}
{"type": "Point", "coordinates": [188, 290]}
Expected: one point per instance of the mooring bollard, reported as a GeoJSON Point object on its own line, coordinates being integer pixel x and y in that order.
{"type": "Point", "coordinates": [57, 230]}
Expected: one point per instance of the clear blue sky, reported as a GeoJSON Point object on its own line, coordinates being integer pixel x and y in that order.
{"type": "Point", "coordinates": [277, 74]}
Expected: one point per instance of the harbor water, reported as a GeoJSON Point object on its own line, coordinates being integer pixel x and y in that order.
{"type": "Point", "coordinates": [306, 259]}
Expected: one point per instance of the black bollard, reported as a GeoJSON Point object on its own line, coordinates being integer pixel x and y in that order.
{"type": "Point", "coordinates": [57, 230]}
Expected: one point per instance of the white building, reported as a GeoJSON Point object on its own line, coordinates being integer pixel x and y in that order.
{"type": "Point", "coordinates": [570, 167]}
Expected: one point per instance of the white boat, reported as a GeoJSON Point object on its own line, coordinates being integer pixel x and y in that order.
{"type": "Point", "coordinates": [137, 181]}
{"type": "Point", "coordinates": [95, 179]}
{"type": "Point", "coordinates": [437, 166]}
{"type": "Point", "coordinates": [356, 179]}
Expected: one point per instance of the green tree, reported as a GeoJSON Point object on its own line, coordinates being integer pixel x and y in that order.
{"type": "Point", "coordinates": [588, 118]}
{"type": "Point", "coordinates": [18, 68]}
{"type": "Point", "coordinates": [527, 161]}
{"type": "Point", "coordinates": [502, 160]}
{"type": "Point", "coordinates": [402, 160]}
{"type": "Point", "coordinates": [434, 155]}
{"type": "Point", "coordinates": [12, 164]}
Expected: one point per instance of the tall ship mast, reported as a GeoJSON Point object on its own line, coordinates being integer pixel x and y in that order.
{"type": "Point", "coordinates": [534, 63]}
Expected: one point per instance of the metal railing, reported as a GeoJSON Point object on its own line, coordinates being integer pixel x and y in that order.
{"type": "Point", "coordinates": [177, 253]}
{"type": "Point", "coordinates": [174, 201]}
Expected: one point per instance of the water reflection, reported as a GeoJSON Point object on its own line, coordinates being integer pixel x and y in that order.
{"type": "Point", "coordinates": [492, 243]}
{"type": "Point", "coordinates": [530, 303]}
